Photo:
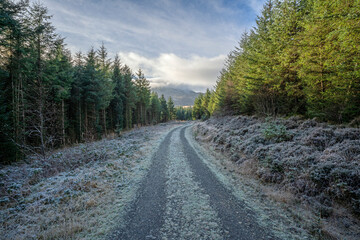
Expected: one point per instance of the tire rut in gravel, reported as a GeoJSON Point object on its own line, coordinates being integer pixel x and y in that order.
{"type": "Point", "coordinates": [238, 221]}
{"type": "Point", "coordinates": [145, 217]}
{"type": "Point", "coordinates": [188, 212]}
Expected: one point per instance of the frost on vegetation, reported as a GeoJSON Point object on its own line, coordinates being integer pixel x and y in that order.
{"type": "Point", "coordinates": [317, 162]}
{"type": "Point", "coordinates": [276, 132]}
{"type": "Point", "coordinates": [77, 192]}
{"type": "Point", "coordinates": [188, 211]}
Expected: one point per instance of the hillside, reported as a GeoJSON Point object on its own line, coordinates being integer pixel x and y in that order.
{"type": "Point", "coordinates": [180, 97]}
{"type": "Point", "coordinates": [313, 167]}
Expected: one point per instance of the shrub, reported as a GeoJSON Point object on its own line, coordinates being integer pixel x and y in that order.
{"type": "Point", "coordinates": [276, 132]}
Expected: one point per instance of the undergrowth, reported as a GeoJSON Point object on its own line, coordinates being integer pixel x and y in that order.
{"type": "Point", "coordinates": [317, 162]}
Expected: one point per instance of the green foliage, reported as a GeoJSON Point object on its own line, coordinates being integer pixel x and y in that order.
{"type": "Point", "coordinates": [301, 58]}
{"type": "Point", "coordinates": [164, 111]}
{"type": "Point", "coordinates": [171, 109]}
{"type": "Point", "coordinates": [143, 97]}
{"type": "Point", "coordinates": [118, 97]}
{"type": "Point", "coordinates": [183, 114]}
{"type": "Point", "coordinates": [47, 100]}
{"type": "Point", "coordinates": [276, 132]}
{"type": "Point", "coordinates": [202, 106]}
{"type": "Point", "coordinates": [155, 108]}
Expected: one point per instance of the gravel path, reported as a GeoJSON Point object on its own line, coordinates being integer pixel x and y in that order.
{"type": "Point", "coordinates": [145, 218]}
{"type": "Point", "coordinates": [181, 198]}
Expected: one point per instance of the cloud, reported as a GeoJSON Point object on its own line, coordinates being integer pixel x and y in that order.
{"type": "Point", "coordinates": [203, 27]}
{"type": "Point", "coordinates": [181, 43]}
{"type": "Point", "coordinates": [196, 73]}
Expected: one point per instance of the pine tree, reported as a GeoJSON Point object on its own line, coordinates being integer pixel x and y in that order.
{"type": "Point", "coordinates": [155, 108]}
{"type": "Point", "coordinates": [329, 60]}
{"type": "Point", "coordinates": [76, 99]}
{"type": "Point", "coordinates": [12, 61]}
{"type": "Point", "coordinates": [47, 100]}
{"type": "Point", "coordinates": [171, 109]}
{"type": "Point", "coordinates": [198, 111]}
{"type": "Point", "coordinates": [130, 97]}
{"type": "Point", "coordinates": [164, 113]}
{"type": "Point", "coordinates": [106, 83]}
{"type": "Point", "coordinates": [205, 104]}
{"type": "Point", "coordinates": [143, 97]}
{"type": "Point", "coordinates": [264, 95]}
{"type": "Point", "coordinates": [59, 73]}
{"type": "Point", "coordinates": [285, 31]}
{"type": "Point", "coordinates": [40, 113]}
{"type": "Point", "coordinates": [117, 103]}
{"type": "Point", "coordinates": [92, 96]}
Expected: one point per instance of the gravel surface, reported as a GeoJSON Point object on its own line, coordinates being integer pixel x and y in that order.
{"type": "Point", "coordinates": [145, 218]}
{"type": "Point", "coordinates": [79, 192]}
{"type": "Point", "coordinates": [237, 220]}
{"type": "Point", "coordinates": [181, 198]}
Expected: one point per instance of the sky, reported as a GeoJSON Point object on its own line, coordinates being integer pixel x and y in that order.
{"type": "Point", "coordinates": [179, 43]}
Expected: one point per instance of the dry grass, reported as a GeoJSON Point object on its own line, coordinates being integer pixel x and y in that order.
{"type": "Point", "coordinates": [80, 193]}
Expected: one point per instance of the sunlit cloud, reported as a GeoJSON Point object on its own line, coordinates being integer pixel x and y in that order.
{"type": "Point", "coordinates": [198, 33]}
{"type": "Point", "coordinates": [195, 72]}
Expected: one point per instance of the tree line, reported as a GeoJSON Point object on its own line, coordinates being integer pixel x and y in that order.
{"type": "Point", "coordinates": [301, 58]}
{"type": "Point", "coordinates": [49, 99]}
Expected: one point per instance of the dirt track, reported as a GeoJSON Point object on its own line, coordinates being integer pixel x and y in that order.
{"type": "Point", "coordinates": [181, 198]}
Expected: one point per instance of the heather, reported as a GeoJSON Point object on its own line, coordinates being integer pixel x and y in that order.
{"type": "Point", "coordinates": [317, 163]}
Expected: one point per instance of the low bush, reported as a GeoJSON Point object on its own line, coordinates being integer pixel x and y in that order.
{"type": "Point", "coordinates": [276, 132]}
{"type": "Point", "coordinates": [311, 160]}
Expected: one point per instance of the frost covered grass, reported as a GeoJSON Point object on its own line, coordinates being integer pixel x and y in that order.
{"type": "Point", "coordinates": [310, 167]}
{"type": "Point", "coordinates": [269, 214]}
{"type": "Point", "coordinates": [79, 192]}
{"type": "Point", "coordinates": [188, 211]}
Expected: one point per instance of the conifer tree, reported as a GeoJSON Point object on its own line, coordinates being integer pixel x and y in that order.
{"type": "Point", "coordinates": [76, 107]}
{"type": "Point", "coordinates": [40, 114]}
{"type": "Point", "coordinates": [205, 104]}
{"type": "Point", "coordinates": [130, 97]}
{"type": "Point", "coordinates": [91, 86]}
{"type": "Point", "coordinates": [106, 84]}
{"type": "Point", "coordinates": [143, 97]}
{"type": "Point", "coordinates": [171, 109]}
{"type": "Point", "coordinates": [155, 108]}
{"type": "Point", "coordinates": [164, 115]}
{"type": "Point", "coordinates": [329, 60]}
{"type": "Point", "coordinates": [197, 111]}
{"type": "Point", "coordinates": [117, 103]}
{"type": "Point", "coordinates": [59, 73]}
{"type": "Point", "coordinates": [13, 35]}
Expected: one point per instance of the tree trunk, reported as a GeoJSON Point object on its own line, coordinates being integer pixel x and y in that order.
{"type": "Point", "coordinates": [23, 112]}
{"type": "Point", "coordinates": [80, 122]}
{"type": "Point", "coordinates": [41, 127]}
{"type": "Point", "coordinates": [86, 121]}
{"type": "Point", "coordinates": [104, 119]}
{"type": "Point", "coordinates": [63, 121]}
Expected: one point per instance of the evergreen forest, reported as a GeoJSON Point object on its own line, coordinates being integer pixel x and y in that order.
{"type": "Point", "coordinates": [301, 58]}
{"type": "Point", "coordinates": [51, 98]}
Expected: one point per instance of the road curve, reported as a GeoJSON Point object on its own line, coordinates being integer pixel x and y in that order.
{"type": "Point", "coordinates": [181, 198]}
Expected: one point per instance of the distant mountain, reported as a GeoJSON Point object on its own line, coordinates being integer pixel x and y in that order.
{"type": "Point", "coordinates": [180, 97]}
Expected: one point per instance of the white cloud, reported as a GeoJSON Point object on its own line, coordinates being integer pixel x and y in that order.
{"type": "Point", "coordinates": [206, 28]}
{"type": "Point", "coordinates": [195, 72]}
{"type": "Point", "coordinates": [174, 42]}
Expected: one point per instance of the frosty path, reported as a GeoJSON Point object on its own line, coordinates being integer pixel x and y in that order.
{"type": "Point", "coordinates": [181, 198]}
